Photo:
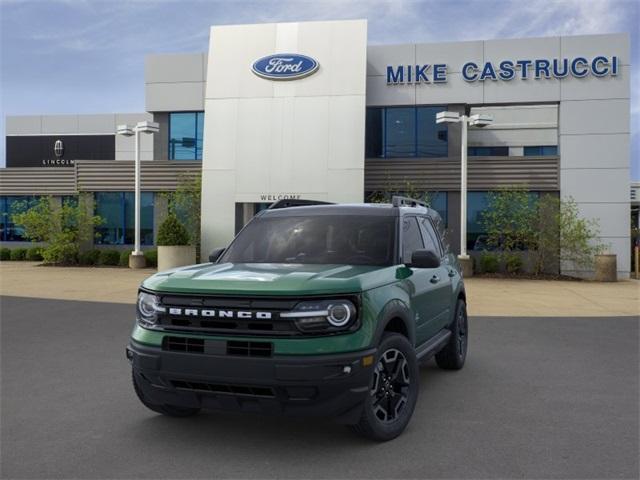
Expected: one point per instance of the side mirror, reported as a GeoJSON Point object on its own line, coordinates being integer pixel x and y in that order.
{"type": "Point", "coordinates": [424, 259]}
{"type": "Point", "coordinates": [215, 255]}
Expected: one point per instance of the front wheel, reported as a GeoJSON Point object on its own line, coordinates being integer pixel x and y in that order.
{"type": "Point", "coordinates": [393, 390]}
{"type": "Point", "coordinates": [453, 355]}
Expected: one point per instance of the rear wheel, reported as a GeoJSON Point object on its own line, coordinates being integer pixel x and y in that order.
{"type": "Point", "coordinates": [169, 410]}
{"type": "Point", "coordinates": [453, 355]}
{"type": "Point", "coordinates": [393, 390]}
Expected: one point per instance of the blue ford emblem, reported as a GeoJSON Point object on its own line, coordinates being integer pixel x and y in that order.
{"type": "Point", "coordinates": [284, 66]}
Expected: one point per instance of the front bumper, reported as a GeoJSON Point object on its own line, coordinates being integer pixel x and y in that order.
{"type": "Point", "coordinates": [310, 385]}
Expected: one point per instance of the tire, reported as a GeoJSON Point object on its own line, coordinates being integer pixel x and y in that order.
{"type": "Point", "coordinates": [393, 392]}
{"type": "Point", "coordinates": [169, 410]}
{"type": "Point", "coordinates": [454, 354]}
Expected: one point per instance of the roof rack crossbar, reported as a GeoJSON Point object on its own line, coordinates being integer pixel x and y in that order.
{"type": "Point", "coordinates": [400, 201]}
{"type": "Point", "coordinates": [296, 202]}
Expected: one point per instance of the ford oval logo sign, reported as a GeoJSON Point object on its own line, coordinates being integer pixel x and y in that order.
{"type": "Point", "coordinates": [285, 66]}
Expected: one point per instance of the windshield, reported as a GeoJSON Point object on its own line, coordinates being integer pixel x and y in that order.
{"type": "Point", "coordinates": [321, 239]}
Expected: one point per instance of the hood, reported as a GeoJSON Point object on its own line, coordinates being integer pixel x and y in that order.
{"type": "Point", "coordinates": [271, 279]}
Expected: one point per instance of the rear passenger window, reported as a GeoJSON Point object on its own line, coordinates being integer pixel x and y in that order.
{"type": "Point", "coordinates": [411, 238]}
{"type": "Point", "coordinates": [430, 236]}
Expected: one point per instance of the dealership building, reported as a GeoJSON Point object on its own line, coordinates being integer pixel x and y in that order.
{"type": "Point", "coordinates": [309, 110]}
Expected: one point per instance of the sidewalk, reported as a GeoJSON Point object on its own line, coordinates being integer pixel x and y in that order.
{"type": "Point", "coordinates": [486, 297]}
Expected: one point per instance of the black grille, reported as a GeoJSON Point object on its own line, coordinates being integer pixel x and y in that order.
{"type": "Point", "coordinates": [183, 344]}
{"type": "Point", "coordinates": [268, 327]}
{"type": "Point", "coordinates": [249, 349]}
{"type": "Point", "coordinates": [245, 390]}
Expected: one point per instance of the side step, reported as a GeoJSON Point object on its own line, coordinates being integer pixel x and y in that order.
{"type": "Point", "coordinates": [433, 345]}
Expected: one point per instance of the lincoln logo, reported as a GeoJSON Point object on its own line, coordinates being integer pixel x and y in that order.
{"type": "Point", "coordinates": [194, 312]}
{"type": "Point", "coordinates": [284, 66]}
{"type": "Point", "coordinates": [58, 148]}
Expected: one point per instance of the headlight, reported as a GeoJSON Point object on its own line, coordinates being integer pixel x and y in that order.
{"type": "Point", "coordinates": [148, 309]}
{"type": "Point", "coordinates": [323, 316]}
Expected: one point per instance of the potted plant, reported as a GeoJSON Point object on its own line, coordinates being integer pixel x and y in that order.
{"type": "Point", "coordinates": [173, 245]}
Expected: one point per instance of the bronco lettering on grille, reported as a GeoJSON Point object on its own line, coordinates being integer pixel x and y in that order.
{"type": "Point", "coordinates": [241, 314]}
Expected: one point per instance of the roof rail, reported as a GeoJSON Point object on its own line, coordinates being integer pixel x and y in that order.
{"type": "Point", "coordinates": [400, 201]}
{"type": "Point", "coordinates": [296, 202]}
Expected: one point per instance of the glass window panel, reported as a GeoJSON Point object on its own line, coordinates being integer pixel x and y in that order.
{"type": "Point", "coordinates": [109, 206]}
{"type": "Point", "coordinates": [477, 202]}
{"type": "Point", "coordinates": [199, 134]}
{"type": "Point", "coordinates": [439, 202]}
{"type": "Point", "coordinates": [400, 132]}
{"type": "Point", "coordinates": [488, 151]}
{"type": "Point", "coordinates": [374, 133]}
{"type": "Point", "coordinates": [429, 236]}
{"type": "Point", "coordinates": [541, 150]}
{"type": "Point", "coordinates": [3, 218]}
{"type": "Point", "coordinates": [411, 238]}
{"type": "Point", "coordinates": [146, 218]}
{"type": "Point", "coordinates": [185, 135]}
{"type": "Point", "coordinates": [9, 206]}
{"type": "Point", "coordinates": [432, 138]}
{"type": "Point", "coordinates": [532, 151]}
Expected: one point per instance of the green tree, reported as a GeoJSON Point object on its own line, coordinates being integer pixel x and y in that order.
{"type": "Point", "coordinates": [509, 219]}
{"type": "Point", "coordinates": [185, 204]}
{"type": "Point", "coordinates": [61, 227]}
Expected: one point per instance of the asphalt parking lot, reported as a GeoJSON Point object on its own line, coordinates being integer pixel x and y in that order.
{"type": "Point", "coordinates": [539, 397]}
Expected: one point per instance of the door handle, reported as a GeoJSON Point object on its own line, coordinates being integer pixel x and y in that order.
{"type": "Point", "coordinates": [435, 279]}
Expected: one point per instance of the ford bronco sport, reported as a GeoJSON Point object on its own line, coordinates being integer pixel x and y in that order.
{"type": "Point", "coordinates": [313, 309]}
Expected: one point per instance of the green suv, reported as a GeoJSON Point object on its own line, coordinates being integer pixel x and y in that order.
{"type": "Point", "coordinates": [313, 309]}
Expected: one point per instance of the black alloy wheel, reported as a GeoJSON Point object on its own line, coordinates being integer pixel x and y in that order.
{"type": "Point", "coordinates": [390, 389]}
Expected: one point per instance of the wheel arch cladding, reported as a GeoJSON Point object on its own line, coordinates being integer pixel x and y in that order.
{"type": "Point", "coordinates": [395, 317]}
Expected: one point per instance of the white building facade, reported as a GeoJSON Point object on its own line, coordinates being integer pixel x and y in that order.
{"type": "Point", "coordinates": [309, 110]}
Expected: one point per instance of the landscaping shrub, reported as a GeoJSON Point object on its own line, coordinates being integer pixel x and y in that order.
{"type": "Point", "coordinates": [489, 262]}
{"type": "Point", "coordinates": [109, 257]}
{"type": "Point", "coordinates": [89, 257]}
{"type": "Point", "coordinates": [5, 254]}
{"type": "Point", "coordinates": [172, 233]}
{"type": "Point", "coordinates": [513, 263]}
{"type": "Point", "coordinates": [151, 256]}
{"type": "Point", "coordinates": [124, 258]}
{"type": "Point", "coordinates": [62, 228]}
{"type": "Point", "coordinates": [18, 253]}
{"type": "Point", "coordinates": [34, 254]}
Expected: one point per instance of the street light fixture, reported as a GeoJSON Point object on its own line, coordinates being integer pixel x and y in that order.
{"type": "Point", "coordinates": [136, 259]}
{"type": "Point", "coordinates": [477, 120]}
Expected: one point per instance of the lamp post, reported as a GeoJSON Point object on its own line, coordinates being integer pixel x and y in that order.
{"type": "Point", "coordinates": [136, 259]}
{"type": "Point", "coordinates": [478, 120]}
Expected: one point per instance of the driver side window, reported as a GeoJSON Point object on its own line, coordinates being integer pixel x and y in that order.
{"type": "Point", "coordinates": [411, 238]}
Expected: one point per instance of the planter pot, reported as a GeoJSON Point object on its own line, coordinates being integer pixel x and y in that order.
{"type": "Point", "coordinates": [176, 256]}
{"type": "Point", "coordinates": [606, 269]}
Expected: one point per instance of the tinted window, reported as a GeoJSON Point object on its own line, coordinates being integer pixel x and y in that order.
{"type": "Point", "coordinates": [432, 137]}
{"type": "Point", "coordinates": [374, 132]}
{"type": "Point", "coordinates": [411, 238]}
{"type": "Point", "coordinates": [400, 128]}
{"type": "Point", "coordinates": [9, 206]}
{"type": "Point", "coordinates": [488, 151]}
{"type": "Point", "coordinates": [321, 239]}
{"type": "Point", "coordinates": [185, 135]}
{"type": "Point", "coordinates": [541, 150]}
{"type": "Point", "coordinates": [405, 132]}
{"type": "Point", "coordinates": [117, 212]}
{"type": "Point", "coordinates": [429, 235]}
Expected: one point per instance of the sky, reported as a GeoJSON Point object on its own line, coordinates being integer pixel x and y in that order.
{"type": "Point", "coordinates": [87, 56]}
